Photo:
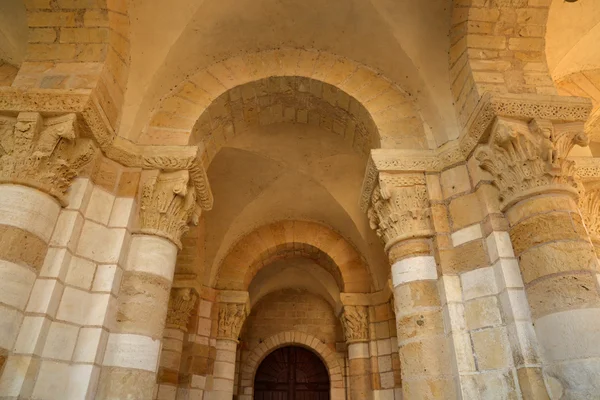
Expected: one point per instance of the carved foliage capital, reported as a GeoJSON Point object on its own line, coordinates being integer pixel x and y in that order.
{"type": "Point", "coordinates": [231, 319]}
{"type": "Point", "coordinates": [356, 323]}
{"type": "Point", "coordinates": [589, 204]}
{"type": "Point", "coordinates": [529, 159]}
{"type": "Point", "coordinates": [43, 153]}
{"type": "Point", "coordinates": [181, 305]}
{"type": "Point", "coordinates": [399, 208]}
{"type": "Point", "coordinates": [167, 205]}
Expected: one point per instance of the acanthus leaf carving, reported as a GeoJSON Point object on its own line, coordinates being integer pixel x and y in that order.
{"type": "Point", "coordinates": [355, 323]}
{"type": "Point", "coordinates": [400, 208]}
{"type": "Point", "coordinates": [168, 205]}
{"type": "Point", "coordinates": [231, 319]}
{"type": "Point", "coordinates": [46, 154]}
{"type": "Point", "coordinates": [529, 159]}
{"type": "Point", "coordinates": [181, 305]}
{"type": "Point", "coordinates": [589, 204]}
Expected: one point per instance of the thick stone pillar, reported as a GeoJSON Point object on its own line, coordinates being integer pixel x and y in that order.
{"type": "Point", "coordinates": [399, 211]}
{"type": "Point", "coordinates": [539, 193]}
{"type": "Point", "coordinates": [356, 329]}
{"type": "Point", "coordinates": [181, 304]}
{"type": "Point", "coordinates": [39, 158]}
{"type": "Point", "coordinates": [230, 320]}
{"type": "Point", "coordinates": [132, 353]}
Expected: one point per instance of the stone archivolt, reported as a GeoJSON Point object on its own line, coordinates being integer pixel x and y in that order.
{"type": "Point", "coordinates": [181, 305]}
{"type": "Point", "coordinates": [355, 323]}
{"type": "Point", "coordinates": [528, 159]}
{"type": "Point", "coordinates": [231, 318]}
{"type": "Point", "coordinates": [43, 153]}
{"type": "Point", "coordinates": [400, 208]}
{"type": "Point", "coordinates": [168, 204]}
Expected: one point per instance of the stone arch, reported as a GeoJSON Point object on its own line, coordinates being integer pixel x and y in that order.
{"type": "Point", "coordinates": [497, 46]}
{"type": "Point", "coordinates": [297, 238]}
{"type": "Point", "coordinates": [73, 46]}
{"type": "Point", "coordinates": [293, 338]}
{"type": "Point", "coordinates": [585, 83]}
{"type": "Point", "coordinates": [389, 106]}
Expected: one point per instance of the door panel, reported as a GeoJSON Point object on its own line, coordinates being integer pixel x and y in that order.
{"type": "Point", "coordinates": [291, 373]}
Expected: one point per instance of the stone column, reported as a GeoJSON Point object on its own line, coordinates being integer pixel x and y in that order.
{"type": "Point", "coordinates": [539, 192]}
{"type": "Point", "coordinates": [168, 203]}
{"type": "Point", "coordinates": [231, 318]}
{"type": "Point", "coordinates": [356, 329]}
{"type": "Point", "coordinates": [181, 304]}
{"type": "Point", "coordinates": [399, 211]}
{"type": "Point", "coordinates": [39, 158]}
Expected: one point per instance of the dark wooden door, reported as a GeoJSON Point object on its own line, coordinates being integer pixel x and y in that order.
{"type": "Point", "coordinates": [291, 373]}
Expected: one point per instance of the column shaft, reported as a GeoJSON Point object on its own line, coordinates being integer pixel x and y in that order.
{"type": "Point", "coordinates": [559, 268]}
{"type": "Point", "coordinates": [132, 354]}
{"type": "Point", "coordinates": [360, 371]}
{"type": "Point", "coordinates": [422, 345]}
{"type": "Point", "coordinates": [224, 371]}
{"type": "Point", "coordinates": [27, 219]}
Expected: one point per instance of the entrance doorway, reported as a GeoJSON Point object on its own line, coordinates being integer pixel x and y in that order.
{"type": "Point", "coordinates": [291, 373]}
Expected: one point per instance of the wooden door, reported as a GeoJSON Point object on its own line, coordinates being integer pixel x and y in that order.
{"type": "Point", "coordinates": [291, 373]}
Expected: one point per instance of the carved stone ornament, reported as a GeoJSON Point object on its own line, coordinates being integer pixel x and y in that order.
{"type": "Point", "coordinates": [529, 159]}
{"type": "Point", "coordinates": [356, 324]}
{"type": "Point", "coordinates": [589, 204]}
{"type": "Point", "coordinates": [231, 318]}
{"type": "Point", "coordinates": [46, 154]}
{"type": "Point", "coordinates": [168, 205]}
{"type": "Point", "coordinates": [400, 208]}
{"type": "Point", "coordinates": [181, 305]}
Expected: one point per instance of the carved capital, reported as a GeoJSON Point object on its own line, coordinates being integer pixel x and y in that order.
{"type": "Point", "coordinates": [530, 159]}
{"type": "Point", "coordinates": [589, 204]}
{"type": "Point", "coordinates": [231, 319]}
{"type": "Point", "coordinates": [399, 208]}
{"type": "Point", "coordinates": [46, 154]}
{"type": "Point", "coordinates": [181, 305]}
{"type": "Point", "coordinates": [356, 323]}
{"type": "Point", "coordinates": [167, 205]}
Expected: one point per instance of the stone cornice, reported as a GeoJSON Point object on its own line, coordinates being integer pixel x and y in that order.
{"type": "Point", "coordinates": [92, 123]}
{"type": "Point", "coordinates": [524, 107]}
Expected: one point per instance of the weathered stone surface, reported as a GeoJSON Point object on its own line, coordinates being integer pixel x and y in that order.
{"type": "Point", "coordinates": [22, 247]}
{"type": "Point", "coordinates": [122, 383]}
{"type": "Point", "coordinates": [466, 257]}
{"type": "Point", "coordinates": [543, 228]}
{"type": "Point", "coordinates": [142, 307]}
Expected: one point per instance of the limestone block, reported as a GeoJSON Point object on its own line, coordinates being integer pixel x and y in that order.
{"type": "Point", "coordinates": [82, 381]}
{"type": "Point", "coordinates": [482, 312]}
{"type": "Point", "coordinates": [449, 289]}
{"type": "Point", "coordinates": [498, 245]}
{"type": "Point", "coordinates": [79, 194]}
{"type": "Point", "coordinates": [83, 308]}
{"type": "Point", "coordinates": [56, 264]}
{"type": "Point", "coordinates": [45, 297]}
{"type": "Point", "coordinates": [10, 321]}
{"type": "Point", "coordinates": [492, 348]}
{"type": "Point", "coordinates": [384, 347]}
{"type": "Point", "coordinates": [100, 243]}
{"type": "Point", "coordinates": [132, 351]}
{"type": "Point", "coordinates": [52, 380]}
{"type": "Point", "coordinates": [508, 274]}
{"type": "Point", "coordinates": [15, 374]}
{"type": "Point", "coordinates": [81, 273]}
{"type": "Point", "coordinates": [31, 335]}
{"type": "Point", "coordinates": [28, 209]}
{"type": "Point", "coordinates": [117, 383]}
{"type": "Point", "coordinates": [414, 269]}
{"type": "Point", "coordinates": [60, 341]}
{"type": "Point", "coordinates": [467, 234]}
{"type": "Point", "coordinates": [515, 305]}
{"type": "Point", "coordinates": [15, 284]}
{"type": "Point", "coordinates": [122, 212]}
{"type": "Point", "coordinates": [489, 386]}
{"type": "Point", "coordinates": [358, 350]}
{"type": "Point", "coordinates": [153, 255]}
{"type": "Point", "coordinates": [107, 279]}
{"type": "Point", "coordinates": [465, 210]}
{"type": "Point", "coordinates": [68, 230]}
{"type": "Point", "coordinates": [99, 206]}
{"type": "Point", "coordinates": [454, 181]}
{"type": "Point", "coordinates": [478, 283]}
{"type": "Point", "coordinates": [460, 344]}
{"type": "Point", "coordinates": [90, 346]}
{"type": "Point", "coordinates": [454, 317]}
